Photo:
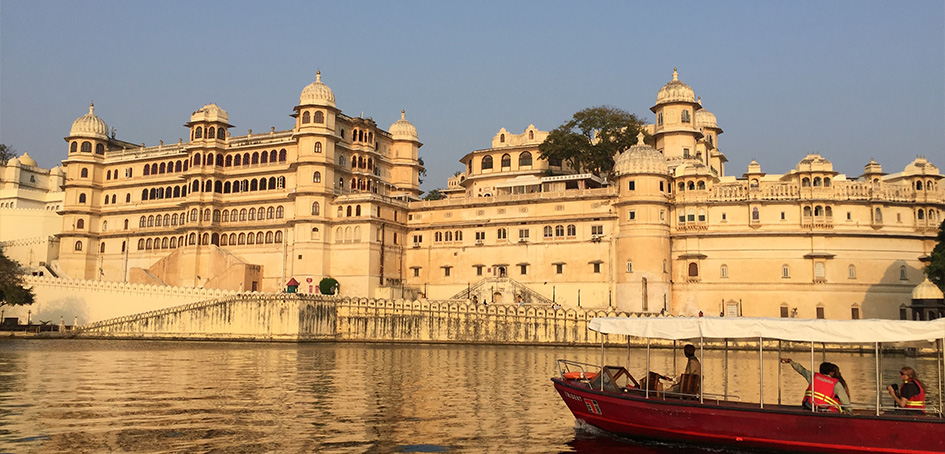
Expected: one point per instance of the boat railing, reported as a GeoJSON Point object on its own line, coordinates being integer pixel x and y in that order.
{"type": "Point", "coordinates": [586, 371]}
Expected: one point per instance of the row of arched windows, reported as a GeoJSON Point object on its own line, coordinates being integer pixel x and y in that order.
{"type": "Point", "coordinates": [245, 159]}
{"type": "Point", "coordinates": [929, 185]}
{"type": "Point", "coordinates": [361, 136]}
{"type": "Point", "coordinates": [691, 186]}
{"type": "Point", "coordinates": [932, 214]}
{"type": "Point", "coordinates": [342, 210]}
{"type": "Point", "coordinates": [227, 187]}
{"type": "Point", "coordinates": [348, 234]}
{"type": "Point", "coordinates": [524, 160]}
{"type": "Point", "coordinates": [251, 214]}
{"type": "Point", "coordinates": [817, 182]}
{"type": "Point", "coordinates": [158, 220]}
{"type": "Point", "coordinates": [86, 147]}
{"type": "Point", "coordinates": [358, 162]}
{"type": "Point", "coordinates": [164, 167]}
{"type": "Point", "coordinates": [818, 210]}
{"type": "Point", "coordinates": [249, 238]}
{"type": "Point", "coordinates": [169, 192]}
{"type": "Point", "coordinates": [448, 236]}
{"type": "Point", "coordinates": [212, 133]}
{"type": "Point", "coordinates": [559, 231]}
{"type": "Point", "coordinates": [233, 239]}
{"type": "Point", "coordinates": [313, 117]}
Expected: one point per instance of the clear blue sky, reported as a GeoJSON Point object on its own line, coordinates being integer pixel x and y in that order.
{"type": "Point", "coordinates": [852, 80]}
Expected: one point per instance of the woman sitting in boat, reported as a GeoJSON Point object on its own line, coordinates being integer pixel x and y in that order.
{"type": "Point", "coordinates": [827, 388]}
{"type": "Point", "coordinates": [912, 394]}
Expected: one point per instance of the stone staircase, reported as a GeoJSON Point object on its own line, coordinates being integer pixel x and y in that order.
{"type": "Point", "coordinates": [510, 290]}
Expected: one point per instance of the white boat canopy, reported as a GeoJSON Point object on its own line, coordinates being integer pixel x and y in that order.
{"type": "Point", "coordinates": [801, 330]}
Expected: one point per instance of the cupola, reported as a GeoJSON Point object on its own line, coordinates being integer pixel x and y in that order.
{"type": "Point", "coordinates": [89, 125]}
{"type": "Point", "coordinates": [317, 93]}
{"type": "Point", "coordinates": [403, 129]}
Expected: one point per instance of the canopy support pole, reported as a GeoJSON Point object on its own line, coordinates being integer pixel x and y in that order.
{"type": "Point", "coordinates": [813, 407]}
{"type": "Point", "coordinates": [628, 353]}
{"type": "Point", "coordinates": [761, 372]}
{"type": "Point", "coordinates": [647, 372]}
{"type": "Point", "coordinates": [879, 378]}
{"type": "Point", "coordinates": [602, 362]}
{"type": "Point", "coordinates": [725, 369]}
{"type": "Point", "coordinates": [701, 373]}
{"type": "Point", "coordinates": [941, 407]}
{"type": "Point", "coordinates": [675, 372]}
{"type": "Point", "coordinates": [779, 372]}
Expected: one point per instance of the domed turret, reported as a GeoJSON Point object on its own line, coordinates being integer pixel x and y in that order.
{"type": "Point", "coordinates": [927, 291]}
{"type": "Point", "coordinates": [403, 129]}
{"type": "Point", "coordinates": [89, 125]}
{"type": "Point", "coordinates": [640, 158]}
{"type": "Point", "coordinates": [317, 93]}
{"type": "Point", "coordinates": [210, 112]}
{"type": "Point", "coordinates": [705, 119]}
{"type": "Point", "coordinates": [28, 160]}
{"type": "Point", "coordinates": [13, 162]}
{"type": "Point", "coordinates": [675, 91]}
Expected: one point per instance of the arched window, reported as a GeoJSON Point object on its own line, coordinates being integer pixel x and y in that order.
{"type": "Point", "coordinates": [818, 210]}
{"type": "Point", "coordinates": [878, 215]}
{"type": "Point", "coordinates": [224, 240]}
{"type": "Point", "coordinates": [807, 211]}
{"type": "Point", "coordinates": [317, 177]}
{"type": "Point", "coordinates": [74, 147]}
{"type": "Point", "coordinates": [264, 158]}
{"type": "Point", "coordinates": [902, 273]}
{"type": "Point", "coordinates": [282, 155]}
{"type": "Point", "coordinates": [197, 159]}
{"type": "Point", "coordinates": [316, 208]}
{"type": "Point", "coordinates": [572, 230]}
{"type": "Point", "coordinates": [219, 162]}
{"type": "Point", "coordinates": [194, 215]}
{"type": "Point", "coordinates": [141, 244]}
{"type": "Point", "coordinates": [84, 173]}
{"type": "Point", "coordinates": [349, 211]}
{"type": "Point", "coordinates": [126, 224]}
{"type": "Point", "coordinates": [319, 117]}
{"type": "Point", "coordinates": [506, 160]}
{"type": "Point", "coordinates": [487, 163]}
{"type": "Point", "coordinates": [501, 138]}
{"type": "Point", "coordinates": [241, 239]}
{"type": "Point", "coordinates": [559, 230]}
{"type": "Point", "coordinates": [280, 212]}
{"type": "Point", "coordinates": [81, 198]}
{"type": "Point", "coordinates": [818, 182]}
{"type": "Point", "coordinates": [691, 186]}
{"type": "Point", "coordinates": [78, 245]}
{"type": "Point", "coordinates": [270, 212]}
{"type": "Point", "coordinates": [851, 272]}
{"type": "Point", "coordinates": [693, 269]}
{"type": "Point", "coordinates": [701, 185]}
{"type": "Point", "coordinates": [272, 156]}
{"type": "Point", "coordinates": [198, 133]}
{"type": "Point", "coordinates": [685, 116]}
{"type": "Point", "coordinates": [785, 271]}
{"type": "Point", "coordinates": [827, 182]}
{"type": "Point", "coordinates": [525, 159]}
{"type": "Point", "coordinates": [723, 271]}
{"type": "Point", "coordinates": [306, 117]}
{"type": "Point", "coordinates": [805, 182]}
{"type": "Point", "coordinates": [547, 231]}
{"type": "Point", "coordinates": [229, 161]}
{"type": "Point", "coordinates": [86, 147]}
{"type": "Point", "coordinates": [80, 224]}
{"type": "Point", "coordinates": [820, 271]}
{"type": "Point", "coordinates": [921, 214]}
{"type": "Point", "coordinates": [318, 147]}
{"type": "Point", "coordinates": [357, 211]}
{"type": "Point", "coordinates": [268, 237]}
{"type": "Point", "coordinates": [232, 240]}
{"type": "Point", "coordinates": [205, 239]}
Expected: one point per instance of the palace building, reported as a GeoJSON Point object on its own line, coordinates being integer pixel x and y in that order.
{"type": "Point", "coordinates": [335, 195]}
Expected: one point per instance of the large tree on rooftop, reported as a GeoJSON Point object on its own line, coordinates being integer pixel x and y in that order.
{"type": "Point", "coordinates": [936, 269]}
{"type": "Point", "coordinates": [591, 139]}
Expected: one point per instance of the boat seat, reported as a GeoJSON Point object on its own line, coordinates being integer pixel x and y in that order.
{"type": "Point", "coordinates": [689, 384]}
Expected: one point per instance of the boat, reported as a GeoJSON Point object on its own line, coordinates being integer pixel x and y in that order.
{"type": "Point", "coordinates": [612, 399]}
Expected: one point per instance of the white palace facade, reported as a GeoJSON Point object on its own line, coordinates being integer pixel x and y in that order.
{"type": "Point", "coordinates": [337, 196]}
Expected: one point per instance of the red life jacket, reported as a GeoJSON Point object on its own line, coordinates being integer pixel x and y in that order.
{"type": "Point", "coordinates": [823, 392]}
{"type": "Point", "coordinates": [917, 401]}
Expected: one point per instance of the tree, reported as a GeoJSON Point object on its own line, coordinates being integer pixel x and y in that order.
{"type": "Point", "coordinates": [936, 269]}
{"type": "Point", "coordinates": [6, 153]}
{"type": "Point", "coordinates": [592, 138]}
{"type": "Point", "coordinates": [327, 286]}
{"type": "Point", "coordinates": [13, 292]}
{"type": "Point", "coordinates": [423, 170]}
{"type": "Point", "coordinates": [433, 195]}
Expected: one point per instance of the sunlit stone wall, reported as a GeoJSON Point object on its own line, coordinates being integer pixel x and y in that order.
{"type": "Point", "coordinates": [309, 317]}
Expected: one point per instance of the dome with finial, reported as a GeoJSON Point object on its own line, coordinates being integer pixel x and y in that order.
{"type": "Point", "coordinates": [28, 160]}
{"type": "Point", "coordinates": [403, 129]}
{"type": "Point", "coordinates": [927, 291]}
{"type": "Point", "coordinates": [90, 125]}
{"type": "Point", "coordinates": [702, 118]}
{"type": "Point", "coordinates": [675, 91]}
{"type": "Point", "coordinates": [210, 112]}
{"type": "Point", "coordinates": [640, 158]}
{"type": "Point", "coordinates": [317, 93]}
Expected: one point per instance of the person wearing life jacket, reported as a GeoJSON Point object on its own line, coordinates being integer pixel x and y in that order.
{"type": "Point", "coordinates": [827, 388]}
{"type": "Point", "coordinates": [911, 396]}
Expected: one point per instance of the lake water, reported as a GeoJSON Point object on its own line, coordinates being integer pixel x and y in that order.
{"type": "Point", "coordinates": [149, 396]}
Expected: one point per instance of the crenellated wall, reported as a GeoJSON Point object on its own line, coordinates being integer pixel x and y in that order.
{"type": "Point", "coordinates": [314, 317]}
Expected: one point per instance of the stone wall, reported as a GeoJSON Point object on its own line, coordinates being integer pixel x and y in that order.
{"type": "Point", "coordinates": [315, 317]}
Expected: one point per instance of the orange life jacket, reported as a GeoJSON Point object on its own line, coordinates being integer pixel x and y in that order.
{"type": "Point", "coordinates": [822, 388]}
{"type": "Point", "coordinates": [917, 401]}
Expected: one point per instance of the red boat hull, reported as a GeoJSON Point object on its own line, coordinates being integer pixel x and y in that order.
{"type": "Point", "coordinates": [746, 426]}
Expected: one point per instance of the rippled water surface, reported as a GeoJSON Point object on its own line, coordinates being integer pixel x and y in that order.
{"type": "Point", "coordinates": [145, 396]}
